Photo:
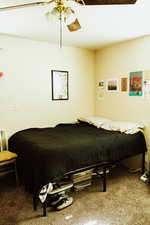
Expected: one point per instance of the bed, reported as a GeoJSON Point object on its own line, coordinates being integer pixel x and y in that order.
{"type": "Point", "coordinates": [47, 154]}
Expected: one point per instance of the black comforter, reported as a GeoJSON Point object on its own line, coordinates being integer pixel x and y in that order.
{"type": "Point", "coordinates": [46, 154]}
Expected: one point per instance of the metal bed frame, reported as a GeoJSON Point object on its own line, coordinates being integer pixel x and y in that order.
{"type": "Point", "coordinates": [103, 165]}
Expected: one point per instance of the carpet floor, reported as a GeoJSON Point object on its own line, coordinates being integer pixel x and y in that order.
{"type": "Point", "coordinates": [126, 202]}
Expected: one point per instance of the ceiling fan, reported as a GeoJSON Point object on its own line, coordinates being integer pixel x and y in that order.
{"type": "Point", "coordinates": [66, 13]}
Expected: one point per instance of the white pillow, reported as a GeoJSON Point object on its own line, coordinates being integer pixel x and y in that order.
{"type": "Point", "coordinates": [96, 121]}
{"type": "Point", "coordinates": [125, 127]}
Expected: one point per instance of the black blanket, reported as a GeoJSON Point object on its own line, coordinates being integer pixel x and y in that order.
{"type": "Point", "coordinates": [46, 154]}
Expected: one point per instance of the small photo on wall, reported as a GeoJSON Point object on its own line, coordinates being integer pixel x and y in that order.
{"type": "Point", "coordinates": [124, 84]}
{"type": "Point", "coordinates": [112, 85]}
{"type": "Point", "coordinates": [101, 84]}
{"type": "Point", "coordinates": [146, 89]}
{"type": "Point", "coordinates": [135, 83]}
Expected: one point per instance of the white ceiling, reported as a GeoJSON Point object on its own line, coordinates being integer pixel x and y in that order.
{"type": "Point", "coordinates": [101, 25]}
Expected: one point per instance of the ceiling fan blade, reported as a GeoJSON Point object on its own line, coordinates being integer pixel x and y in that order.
{"type": "Point", "coordinates": [25, 5]}
{"type": "Point", "coordinates": [108, 2]}
{"type": "Point", "coordinates": [74, 26]}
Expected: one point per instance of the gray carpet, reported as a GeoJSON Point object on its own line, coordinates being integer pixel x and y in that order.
{"type": "Point", "coordinates": [126, 202]}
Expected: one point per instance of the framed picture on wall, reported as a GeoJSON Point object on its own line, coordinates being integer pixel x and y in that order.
{"type": "Point", "coordinates": [101, 84]}
{"type": "Point", "coordinates": [124, 84]}
{"type": "Point", "coordinates": [112, 85]}
{"type": "Point", "coordinates": [136, 83]}
{"type": "Point", "coordinates": [59, 81]}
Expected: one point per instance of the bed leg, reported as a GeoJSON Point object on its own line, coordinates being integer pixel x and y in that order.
{"type": "Point", "coordinates": [35, 200]}
{"type": "Point", "coordinates": [104, 179]}
{"type": "Point", "coordinates": [44, 208]}
{"type": "Point", "coordinates": [143, 163]}
{"type": "Point", "coordinates": [34, 203]}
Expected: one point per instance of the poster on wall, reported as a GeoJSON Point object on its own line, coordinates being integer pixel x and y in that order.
{"type": "Point", "coordinates": [59, 81]}
{"type": "Point", "coordinates": [112, 85]}
{"type": "Point", "coordinates": [135, 83]}
{"type": "Point", "coordinates": [146, 89]}
{"type": "Point", "coordinates": [124, 84]}
{"type": "Point", "coordinates": [100, 89]}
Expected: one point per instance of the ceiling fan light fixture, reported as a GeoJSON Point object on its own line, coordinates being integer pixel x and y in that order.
{"type": "Point", "coordinates": [55, 11]}
{"type": "Point", "coordinates": [74, 26]}
{"type": "Point", "coordinates": [67, 14]}
{"type": "Point", "coordinates": [64, 11]}
{"type": "Point", "coordinates": [69, 17]}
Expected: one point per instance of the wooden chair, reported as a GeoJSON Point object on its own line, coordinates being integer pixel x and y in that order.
{"type": "Point", "coordinates": [7, 158]}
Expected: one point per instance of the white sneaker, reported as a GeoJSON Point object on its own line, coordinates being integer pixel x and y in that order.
{"type": "Point", "coordinates": [53, 203]}
{"type": "Point", "coordinates": [63, 203]}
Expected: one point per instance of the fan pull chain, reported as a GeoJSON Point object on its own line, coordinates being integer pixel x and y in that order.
{"type": "Point", "coordinates": [60, 40]}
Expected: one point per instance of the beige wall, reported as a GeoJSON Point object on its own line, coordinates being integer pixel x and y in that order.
{"type": "Point", "coordinates": [115, 62]}
{"type": "Point", "coordinates": [25, 89]}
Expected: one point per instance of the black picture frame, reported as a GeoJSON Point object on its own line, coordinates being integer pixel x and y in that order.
{"type": "Point", "coordinates": [60, 87]}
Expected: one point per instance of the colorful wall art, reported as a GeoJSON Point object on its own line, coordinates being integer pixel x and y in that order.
{"type": "Point", "coordinates": [1, 74]}
{"type": "Point", "coordinates": [136, 83]}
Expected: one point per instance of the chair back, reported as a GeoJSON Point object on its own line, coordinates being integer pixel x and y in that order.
{"type": "Point", "coordinates": [3, 141]}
